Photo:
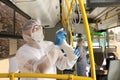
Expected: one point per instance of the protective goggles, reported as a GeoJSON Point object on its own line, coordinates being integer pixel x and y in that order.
{"type": "Point", "coordinates": [36, 28]}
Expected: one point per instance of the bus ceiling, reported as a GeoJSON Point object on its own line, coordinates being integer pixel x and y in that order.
{"type": "Point", "coordinates": [47, 12]}
{"type": "Point", "coordinates": [102, 14]}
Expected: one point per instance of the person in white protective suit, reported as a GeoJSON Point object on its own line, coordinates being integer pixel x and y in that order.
{"type": "Point", "coordinates": [39, 56]}
{"type": "Point", "coordinates": [13, 67]}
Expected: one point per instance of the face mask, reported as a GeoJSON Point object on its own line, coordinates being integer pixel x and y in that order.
{"type": "Point", "coordinates": [37, 36]}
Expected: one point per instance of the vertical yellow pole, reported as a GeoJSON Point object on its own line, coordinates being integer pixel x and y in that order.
{"type": "Point", "coordinates": [87, 30]}
{"type": "Point", "coordinates": [70, 9]}
{"type": "Point", "coordinates": [68, 6]}
{"type": "Point", "coordinates": [71, 37]}
{"type": "Point", "coordinates": [12, 76]}
{"type": "Point", "coordinates": [64, 14]}
{"type": "Point", "coordinates": [66, 21]}
{"type": "Point", "coordinates": [64, 18]}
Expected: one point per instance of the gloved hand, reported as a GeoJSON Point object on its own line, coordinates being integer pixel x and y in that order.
{"type": "Point", "coordinates": [76, 52]}
{"type": "Point", "coordinates": [60, 37]}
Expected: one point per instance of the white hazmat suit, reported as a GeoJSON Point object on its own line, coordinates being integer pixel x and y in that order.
{"type": "Point", "coordinates": [39, 56]}
{"type": "Point", "coordinates": [13, 67]}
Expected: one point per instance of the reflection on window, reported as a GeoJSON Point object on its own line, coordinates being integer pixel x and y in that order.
{"type": "Point", "coordinates": [19, 21]}
{"type": "Point", "coordinates": [6, 19]}
{"type": "Point", "coordinates": [4, 47]}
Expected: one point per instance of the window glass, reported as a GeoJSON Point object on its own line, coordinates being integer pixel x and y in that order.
{"type": "Point", "coordinates": [6, 19]}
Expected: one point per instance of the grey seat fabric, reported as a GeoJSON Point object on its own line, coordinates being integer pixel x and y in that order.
{"type": "Point", "coordinates": [114, 70]}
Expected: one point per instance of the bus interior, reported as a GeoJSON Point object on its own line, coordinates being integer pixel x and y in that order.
{"type": "Point", "coordinates": [99, 25]}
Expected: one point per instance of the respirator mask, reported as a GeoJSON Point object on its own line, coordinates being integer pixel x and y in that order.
{"type": "Point", "coordinates": [37, 33]}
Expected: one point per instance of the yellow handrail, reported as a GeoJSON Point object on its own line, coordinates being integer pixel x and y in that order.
{"type": "Point", "coordinates": [35, 75]}
{"type": "Point", "coordinates": [87, 30]}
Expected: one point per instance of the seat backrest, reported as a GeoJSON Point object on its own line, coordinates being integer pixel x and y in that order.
{"type": "Point", "coordinates": [98, 55]}
{"type": "Point", "coordinates": [114, 70]}
{"type": "Point", "coordinates": [111, 56]}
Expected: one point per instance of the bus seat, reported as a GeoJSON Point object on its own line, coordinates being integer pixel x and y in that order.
{"type": "Point", "coordinates": [99, 58]}
{"type": "Point", "coordinates": [114, 70]}
{"type": "Point", "coordinates": [109, 50]}
{"type": "Point", "coordinates": [110, 56]}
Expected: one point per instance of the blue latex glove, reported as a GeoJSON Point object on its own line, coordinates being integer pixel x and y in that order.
{"type": "Point", "coordinates": [76, 52]}
{"type": "Point", "coordinates": [60, 37]}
